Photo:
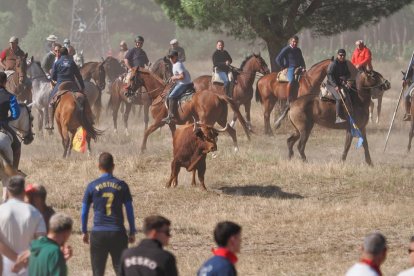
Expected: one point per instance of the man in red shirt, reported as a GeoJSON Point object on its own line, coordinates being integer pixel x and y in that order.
{"type": "Point", "coordinates": [9, 55]}
{"type": "Point", "coordinates": [361, 58]}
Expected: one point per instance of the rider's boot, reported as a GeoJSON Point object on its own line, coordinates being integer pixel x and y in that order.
{"type": "Point", "coordinates": [407, 115]}
{"type": "Point", "coordinates": [172, 109]}
{"type": "Point", "coordinates": [51, 117]}
{"type": "Point", "coordinates": [338, 119]}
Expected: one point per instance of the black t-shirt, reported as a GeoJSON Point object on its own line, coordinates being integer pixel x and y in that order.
{"type": "Point", "coordinates": [136, 57]}
{"type": "Point", "coordinates": [149, 259]}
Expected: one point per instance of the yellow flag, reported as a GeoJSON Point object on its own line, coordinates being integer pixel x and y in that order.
{"type": "Point", "coordinates": [79, 141]}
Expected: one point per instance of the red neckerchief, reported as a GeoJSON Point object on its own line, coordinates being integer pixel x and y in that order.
{"type": "Point", "coordinates": [225, 253]}
{"type": "Point", "coordinates": [372, 265]}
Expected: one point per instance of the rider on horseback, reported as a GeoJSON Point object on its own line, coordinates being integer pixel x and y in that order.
{"type": "Point", "coordinates": [8, 103]}
{"type": "Point", "coordinates": [408, 80]}
{"type": "Point", "coordinates": [71, 49]}
{"type": "Point", "coordinates": [221, 63]}
{"type": "Point", "coordinates": [338, 75]}
{"type": "Point", "coordinates": [135, 57]}
{"type": "Point", "coordinates": [182, 81]}
{"type": "Point", "coordinates": [63, 70]}
{"type": "Point", "coordinates": [361, 58]}
{"type": "Point", "coordinates": [50, 58]}
{"type": "Point", "coordinates": [9, 55]}
{"type": "Point", "coordinates": [291, 58]}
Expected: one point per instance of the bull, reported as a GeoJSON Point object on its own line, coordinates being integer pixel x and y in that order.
{"type": "Point", "coordinates": [191, 144]}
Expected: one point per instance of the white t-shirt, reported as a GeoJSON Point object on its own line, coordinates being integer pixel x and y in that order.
{"type": "Point", "coordinates": [19, 224]}
{"type": "Point", "coordinates": [179, 68]}
{"type": "Point", "coordinates": [408, 272]}
{"type": "Point", "coordinates": [361, 269]}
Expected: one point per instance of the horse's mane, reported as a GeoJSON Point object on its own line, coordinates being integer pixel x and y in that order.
{"type": "Point", "coordinates": [316, 64]}
{"type": "Point", "coordinates": [246, 60]}
{"type": "Point", "coordinates": [146, 71]}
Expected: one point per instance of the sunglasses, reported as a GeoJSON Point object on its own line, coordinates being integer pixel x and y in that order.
{"type": "Point", "coordinates": [341, 55]}
{"type": "Point", "coordinates": [410, 250]}
{"type": "Point", "coordinates": [166, 232]}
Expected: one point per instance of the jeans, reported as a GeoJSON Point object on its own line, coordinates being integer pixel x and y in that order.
{"type": "Point", "coordinates": [223, 77]}
{"type": "Point", "coordinates": [178, 90]}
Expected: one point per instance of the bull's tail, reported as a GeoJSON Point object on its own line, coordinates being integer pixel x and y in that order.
{"type": "Point", "coordinates": [236, 110]}
{"type": "Point", "coordinates": [86, 122]}
{"type": "Point", "coordinates": [257, 93]}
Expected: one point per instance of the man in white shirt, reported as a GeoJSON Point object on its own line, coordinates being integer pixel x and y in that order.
{"type": "Point", "coordinates": [410, 271]}
{"type": "Point", "coordinates": [20, 223]}
{"type": "Point", "coordinates": [374, 253]}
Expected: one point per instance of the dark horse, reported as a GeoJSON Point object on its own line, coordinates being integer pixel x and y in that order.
{"type": "Point", "coordinates": [205, 106]}
{"type": "Point", "coordinates": [243, 90]}
{"type": "Point", "coordinates": [17, 83]}
{"type": "Point", "coordinates": [162, 68]}
{"type": "Point", "coordinates": [310, 109]}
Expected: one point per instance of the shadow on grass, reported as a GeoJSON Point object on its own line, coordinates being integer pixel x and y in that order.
{"type": "Point", "coordinates": [268, 191]}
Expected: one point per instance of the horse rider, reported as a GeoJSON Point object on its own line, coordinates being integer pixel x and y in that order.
{"type": "Point", "coordinates": [175, 47]}
{"type": "Point", "coordinates": [291, 58]}
{"type": "Point", "coordinates": [9, 55]}
{"type": "Point", "coordinates": [338, 75]}
{"type": "Point", "coordinates": [71, 50]}
{"type": "Point", "coordinates": [50, 58]}
{"type": "Point", "coordinates": [221, 61]}
{"type": "Point", "coordinates": [50, 42]}
{"type": "Point", "coordinates": [123, 49]}
{"type": "Point", "coordinates": [182, 81]}
{"type": "Point", "coordinates": [64, 69]}
{"type": "Point", "coordinates": [361, 57]}
{"type": "Point", "coordinates": [409, 81]}
{"type": "Point", "coordinates": [135, 57]}
{"type": "Point", "coordinates": [8, 104]}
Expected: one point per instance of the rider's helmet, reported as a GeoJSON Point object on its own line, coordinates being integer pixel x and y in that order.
{"type": "Point", "coordinates": [66, 41]}
{"type": "Point", "coordinates": [139, 39]}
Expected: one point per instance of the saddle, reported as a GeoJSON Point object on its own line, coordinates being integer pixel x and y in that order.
{"type": "Point", "coordinates": [79, 97]}
{"type": "Point", "coordinates": [215, 77]}
{"type": "Point", "coordinates": [282, 75]}
{"type": "Point", "coordinates": [187, 95]}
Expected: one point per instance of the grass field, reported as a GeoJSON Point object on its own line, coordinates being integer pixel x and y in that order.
{"type": "Point", "coordinates": [298, 218]}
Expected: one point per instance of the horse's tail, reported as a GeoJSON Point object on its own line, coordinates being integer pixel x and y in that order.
{"type": "Point", "coordinates": [236, 110]}
{"type": "Point", "coordinates": [257, 92]}
{"type": "Point", "coordinates": [9, 170]}
{"type": "Point", "coordinates": [98, 104]}
{"type": "Point", "coordinates": [86, 122]}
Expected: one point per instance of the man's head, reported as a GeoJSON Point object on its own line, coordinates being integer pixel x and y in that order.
{"type": "Point", "coordinates": [360, 44]}
{"type": "Point", "coordinates": [56, 49]}
{"type": "Point", "coordinates": [220, 45]}
{"type": "Point", "coordinates": [293, 41]}
{"type": "Point", "coordinates": [173, 56]}
{"type": "Point", "coordinates": [36, 195]}
{"type": "Point", "coordinates": [157, 228]}
{"type": "Point", "coordinates": [14, 41]}
{"type": "Point", "coordinates": [106, 162]}
{"type": "Point", "coordinates": [60, 228]}
{"type": "Point", "coordinates": [123, 46]}
{"type": "Point", "coordinates": [228, 234]}
{"type": "Point", "coordinates": [341, 55]}
{"type": "Point", "coordinates": [173, 43]}
{"type": "Point", "coordinates": [66, 42]}
{"type": "Point", "coordinates": [63, 51]}
{"type": "Point", "coordinates": [139, 41]}
{"type": "Point", "coordinates": [3, 79]}
{"type": "Point", "coordinates": [411, 250]}
{"type": "Point", "coordinates": [375, 248]}
{"type": "Point", "coordinates": [15, 187]}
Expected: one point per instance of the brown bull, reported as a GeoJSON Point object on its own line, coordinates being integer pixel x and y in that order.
{"type": "Point", "coordinates": [191, 144]}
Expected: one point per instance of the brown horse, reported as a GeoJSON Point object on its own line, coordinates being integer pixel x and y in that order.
{"type": "Point", "coordinates": [72, 111]}
{"type": "Point", "coordinates": [96, 71]}
{"type": "Point", "coordinates": [269, 90]}
{"type": "Point", "coordinates": [113, 68]}
{"type": "Point", "coordinates": [310, 109]}
{"type": "Point", "coordinates": [94, 98]}
{"type": "Point", "coordinates": [205, 106]}
{"type": "Point", "coordinates": [243, 90]}
{"type": "Point", "coordinates": [17, 83]}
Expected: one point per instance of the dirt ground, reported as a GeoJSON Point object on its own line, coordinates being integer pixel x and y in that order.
{"type": "Point", "coordinates": [297, 218]}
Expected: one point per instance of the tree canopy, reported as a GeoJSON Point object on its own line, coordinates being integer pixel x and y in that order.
{"type": "Point", "coordinates": [275, 21]}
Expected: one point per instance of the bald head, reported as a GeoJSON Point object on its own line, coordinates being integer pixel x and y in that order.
{"type": "Point", "coordinates": [375, 244]}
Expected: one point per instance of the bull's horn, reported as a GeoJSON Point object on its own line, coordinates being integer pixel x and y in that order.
{"type": "Point", "coordinates": [222, 129]}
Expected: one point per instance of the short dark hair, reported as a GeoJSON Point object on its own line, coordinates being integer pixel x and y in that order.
{"type": "Point", "coordinates": [155, 222]}
{"type": "Point", "coordinates": [60, 223]}
{"type": "Point", "coordinates": [106, 161]}
{"type": "Point", "coordinates": [3, 77]}
{"type": "Point", "coordinates": [224, 231]}
{"type": "Point", "coordinates": [220, 41]}
{"type": "Point", "coordinates": [16, 185]}
{"type": "Point", "coordinates": [295, 37]}
{"type": "Point", "coordinates": [375, 243]}
{"type": "Point", "coordinates": [63, 51]}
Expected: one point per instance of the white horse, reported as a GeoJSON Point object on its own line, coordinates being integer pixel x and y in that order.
{"type": "Point", "coordinates": [23, 126]}
{"type": "Point", "coordinates": [79, 59]}
{"type": "Point", "coordinates": [41, 88]}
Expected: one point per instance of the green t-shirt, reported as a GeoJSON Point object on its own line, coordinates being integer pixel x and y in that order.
{"type": "Point", "coordinates": [46, 259]}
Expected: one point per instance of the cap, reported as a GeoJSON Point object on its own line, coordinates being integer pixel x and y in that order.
{"type": "Point", "coordinates": [359, 42]}
{"type": "Point", "coordinates": [13, 39]}
{"type": "Point", "coordinates": [341, 51]}
{"type": "Point", "coordinates": [52, 38]}
{"type": "Point", "coordinates": [139, 39]}
{"type": "Point", "coordinates": [66, 41]}
{"type": "Point", "coordinates": [173, 41]}
{"type": "Point", "coordinates": [122, 42]}
{"type": "Point", "coordinates": [173, 54]}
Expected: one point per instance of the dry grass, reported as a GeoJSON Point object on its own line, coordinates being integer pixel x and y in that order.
{"type": "Point", "coordinates": [298, 219]}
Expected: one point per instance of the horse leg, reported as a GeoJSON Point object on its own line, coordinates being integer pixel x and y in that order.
{"type": "Point", "coordinates": [366, 149]}
{"type": "Point", "coordinates": [233, 121]}
{"type": "Point", "coordinates": [348, 141]}
{"type": "Point", "coordinates": [146, 115]}
{"type": "Point", "coordinates": [410, 136]}
{"type": "Point", "coordinates": [379, 105]}
{"type": "Point", "coordinates": [40, 117]}
{"type": "Point", "coordinates": [371, 110]}
{"type": "Point", "coordinates": [88, 141]}
{"type": "Point", "coordinates": [150, 130]}
{"type": "Point", "coordinates": [193, 180]}
{"type": "Point", "coordinates": [268, 107]}
{"type": "Point", "coordinates": [71, 137]}
{"type": "Point", "coordinates": [126, 116]}
{"type": "Point", "coordinates": [115, 109]}
{"type": "Point", "coordinates": [65, 140]}
{"type": "Point", "coordinates": [175, 169]}
{"type": "Point", "coordinates": [291, 142]}
{"type": "Point", "coordinates": [201, 170]}
{"type": "Point", "coordinates": [304, 136]}
{"type": "Point", "coordinates": [247, 107]}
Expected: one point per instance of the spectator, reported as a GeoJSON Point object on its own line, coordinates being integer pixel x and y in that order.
{"type": "Point", "coordinates": [374, 252]}
{"type": "Point", "coordinates": [36, 196]}
{"type": "Point", "coordinates": [123, 49]}
{"type": "Point", "coordinates": [361, 58]}
{"type": "Point", "coordinates": [5, 250]}
{"type": "Point", "coordinates": [108, 236]}
{"type": "Point", "coordinates": [227, 235]}
{"type": "Point", "coordinates": [149, 258]}
{"type": "Point", "coordinates": [20, 222]}
{"type": "Point", "coordinates": [175, 47]}
{"type": "Point", "coordinates": [410, 271]}
{"type": "Point", "coordinates": [46, 257]}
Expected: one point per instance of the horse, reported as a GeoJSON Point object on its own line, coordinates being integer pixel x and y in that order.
{"type": "Point", "coordinates": [113, 68]}
{"type": "Point", "coordinates": [95, 71]}
{"type": "Point", "coordinates": [24, 128]}
{"type": "Point", "coordinates": [94, 96]}
{"type": "Point", "coordinates": [162, 68]}
{"type": "Point", "coordinates": [269, 90]}
{"type": "Point", "coordinates": [311, 109]}
{"type": "Point", "coordinates": [73, 111]}
{"type": "Point", "coordinates": [17, 81]}
{"type": "Point", "coordinates": [79, 59]}
{"type": "Point", "coordinates": [41, 88]}
{"type": "Point", "coordinates": [243, 90]}
{"type": "Point", "coordinates": [207, 107]}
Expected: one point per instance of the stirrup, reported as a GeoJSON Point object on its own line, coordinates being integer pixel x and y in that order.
{"type": "Point", "coordinates": [339, 120]}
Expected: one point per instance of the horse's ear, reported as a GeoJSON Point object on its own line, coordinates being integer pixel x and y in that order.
{"type": "Point", "coordinates": [332, 58]}
{"type": "Point", "coordinates": [25, 56]}
{"type": "Point", "coordinates": [31, 59]}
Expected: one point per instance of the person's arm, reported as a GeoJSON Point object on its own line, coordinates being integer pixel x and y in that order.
{"type": "Point", "coordinates": [146, 59]}
{"type": "Point", "coordinates": [41, 226]}
{"type": "Point", "coordinates": [280, 58]}
{"type": "Point", "coordinates": [330, 75]}
{"type": "Point", "coordinates": [367, 57]}
{"type": "Point", "coordinates": [127, 57]}
{"type": "Point", "coordinates": [229, 59]}
{"type": "Point", "coordinates": [131, 220]}
{"type": "Point", "coordinates": [5, 250]}
{"type": "Point", "coordinates": [14, 108]}
{"type": "Point", "coordinates": [171, 267]}
{"type": "Point", "coordinates": [302, 60]}
{"type": "Point", "coordinates": [354, 58]}
{"type": "Point", "coordinates": [54, 71]}
{"type": "Point", "coordinates": [2, 58]}
{"type": "Point", "coordinates": [180, 75]}
{"type": "Point", "coordinates": [84, 218]}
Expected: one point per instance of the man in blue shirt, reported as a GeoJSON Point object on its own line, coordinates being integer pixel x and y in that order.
{"type": "Point", "coordinates": [227, 235]}
{"type": "Point", "coordinates": [291, 58]}
{"type": "Point", "coordinates": [108, 236]}
{"type": "Point", "coordinates": [8, 103]}
{"type": "Point", "coordinates": [64, 69]}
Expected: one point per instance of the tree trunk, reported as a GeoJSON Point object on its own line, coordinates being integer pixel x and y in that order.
{"type": "Point", "coordinates": [273, 48]}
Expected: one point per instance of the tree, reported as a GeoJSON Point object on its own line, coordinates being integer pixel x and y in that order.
{"type": "Point", "coordinates": [275, 21]}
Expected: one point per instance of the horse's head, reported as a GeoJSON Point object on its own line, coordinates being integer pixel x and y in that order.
{"type": "Point", "coordinates": [101, 82]}
{"type": "Point", "coordinates": [372, 80]}
{"type": "Point", "coordinates": [261, 64]}
{"type": "Point", "coordinates": [113, 68]}
{"type": "Point", "coordinates": [136, 80]}
{"type": "Point", "coordinates": [21, 68]}
{"type": "Point", "coordinates": [24, 124]}
{"type": "Point", "coordinates": [78, 58]}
